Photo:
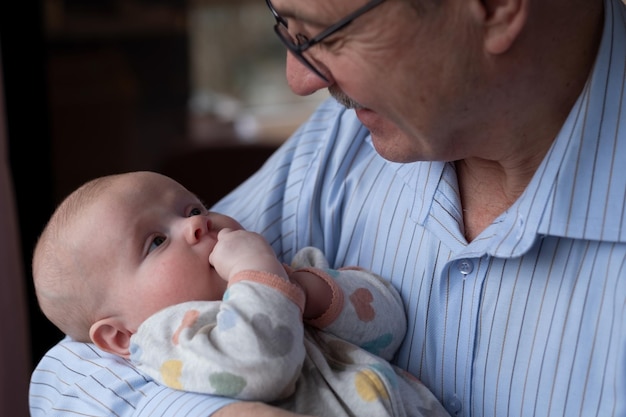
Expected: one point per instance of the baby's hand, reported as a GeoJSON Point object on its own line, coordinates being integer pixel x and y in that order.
{"type": "Point", "coordinates": [240, 250]}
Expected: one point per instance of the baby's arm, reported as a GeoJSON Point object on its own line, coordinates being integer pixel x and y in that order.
{"type": "Point", "coordinates": [248, 346]}
{"type": "Point", "coordinates": [318, 293]}
{"type": "Point", "coordinates": [351, 303]}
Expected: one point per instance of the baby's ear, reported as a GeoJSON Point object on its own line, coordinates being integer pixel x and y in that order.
{"type": "Point", "coordinates": [112, 336]}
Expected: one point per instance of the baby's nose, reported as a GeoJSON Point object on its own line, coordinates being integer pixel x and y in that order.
{"type": "Point", "coordinates": [198, 227]}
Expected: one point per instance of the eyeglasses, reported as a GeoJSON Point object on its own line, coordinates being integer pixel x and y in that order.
{"type": "Point", "coordinates": [299, 44]}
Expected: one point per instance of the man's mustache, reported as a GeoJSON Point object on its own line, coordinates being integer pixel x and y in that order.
{"type": "Point", "coordinates": [343, 98]}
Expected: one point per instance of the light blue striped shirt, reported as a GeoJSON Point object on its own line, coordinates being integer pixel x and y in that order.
{"type": "Point", "coordinates": [529, 319]}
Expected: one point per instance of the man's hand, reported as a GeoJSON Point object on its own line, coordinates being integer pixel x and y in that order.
{"type": "Point", "coordinates": [255, 409]}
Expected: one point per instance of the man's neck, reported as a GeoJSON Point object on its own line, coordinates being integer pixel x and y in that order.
{"type": "Point", "coordinates": [527, 118]}
{"type": "Point", "coordinates": [487, 189]}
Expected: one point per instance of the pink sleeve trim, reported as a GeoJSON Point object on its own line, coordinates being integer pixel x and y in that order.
{"type": "Point", "coordinates": [288, 289]}
{"type": "Point", "coordinates": [336, 303]}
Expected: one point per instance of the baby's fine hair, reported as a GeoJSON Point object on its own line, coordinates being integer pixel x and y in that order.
{"type": "Point", "coordinates": [64, 291]}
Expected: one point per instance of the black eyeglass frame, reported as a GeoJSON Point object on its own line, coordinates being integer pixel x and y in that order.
{"type": "Point", "coordinates": [298, 49]}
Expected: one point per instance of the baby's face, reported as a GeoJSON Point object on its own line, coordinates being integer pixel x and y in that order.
{"type": "Point", "coordinates": [155, 238]}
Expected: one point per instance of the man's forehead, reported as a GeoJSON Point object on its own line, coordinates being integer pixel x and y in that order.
{"type": "Point", "coordinates": [314, 11]}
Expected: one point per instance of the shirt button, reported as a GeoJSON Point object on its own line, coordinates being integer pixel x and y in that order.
{"type": "Point", "coordinates": [466, 266]}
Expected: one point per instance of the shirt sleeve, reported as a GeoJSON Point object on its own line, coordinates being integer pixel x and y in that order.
{"type": "Point", "coordinates": [79, 379]}
{"type": "Point", "coordinates": [248, 346]}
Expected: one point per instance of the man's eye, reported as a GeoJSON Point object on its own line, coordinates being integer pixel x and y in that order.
{"type": "Point", "coordinates": [301, 39]}
{"type": "Point", "coordinates": [156, 242]}
{"type": "Point", "coordinates": [195, 212]}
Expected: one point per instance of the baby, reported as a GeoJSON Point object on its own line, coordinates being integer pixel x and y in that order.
{"type": "Point", "coordinates": [135, 264]}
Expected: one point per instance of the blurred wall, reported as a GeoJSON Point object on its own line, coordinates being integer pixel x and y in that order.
{"type": "Point", "coordinates": [14, 348]}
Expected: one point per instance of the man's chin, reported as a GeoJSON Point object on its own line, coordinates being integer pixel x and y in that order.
{"type": "Point", "coordinates": [389, 141]}
{"type": "Point", "coordinates": [367, 117]}
{"type": "Point", "coordinates": [385, 148]}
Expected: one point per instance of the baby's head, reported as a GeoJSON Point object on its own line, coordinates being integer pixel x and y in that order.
{"type": "Point", "coordinates": [119, 249]}
{"type": "Point", "coordinates": [67, 282]}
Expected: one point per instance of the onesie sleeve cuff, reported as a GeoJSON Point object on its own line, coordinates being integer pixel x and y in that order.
{"type": "Point", "coordinates": [336, 304]}
{"type": "Point", "coordinates": [290, 290]}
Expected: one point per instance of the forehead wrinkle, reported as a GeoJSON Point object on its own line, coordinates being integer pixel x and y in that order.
{"type": "Point", "coordinates": [323, 14]}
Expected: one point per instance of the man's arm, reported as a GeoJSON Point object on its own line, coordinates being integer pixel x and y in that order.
{"type": "Point", "coordinates": [98, 383]}
{"type": "Point", "coordinates": [256, 409]}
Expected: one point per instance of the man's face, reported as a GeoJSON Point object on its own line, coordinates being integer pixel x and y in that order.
{"type": "Point", "coordinates": [409, 74]}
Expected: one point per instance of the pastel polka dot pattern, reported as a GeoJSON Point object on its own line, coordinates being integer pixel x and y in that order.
{"type": "Point", "coordinates": [227, 319]}
{"type": "Point", "coordinates": [282, 341]}
{"type": "Point", "coordinates": [362, 299]}
{"type": "Point", "coordinates": [227, 384]}
{"type": "Point", "coordinates": [377, 345]}
{"type": "Point", "coordinates": [369, 386]}
{"type": "Point", "coordinates": [188, 320]}
{"type": "Point", "coordinates": [135, 351]}
{"type": "Point", "coordinates": [390, 376]}
{"type": "Point", "coordinates": [332, 272]}
{"type": "Point", "coordinates": [170, 373]}
{"type": "Point", "coordinates": [251, 346]}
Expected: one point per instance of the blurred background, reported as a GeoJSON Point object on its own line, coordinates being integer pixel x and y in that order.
{"type": "Point", "coordinates": [191, 88]}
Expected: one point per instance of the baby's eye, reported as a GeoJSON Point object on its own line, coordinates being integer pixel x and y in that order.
{"type": "Point", "coordinates": [156, 242]}
{"type": "Point", "coordinates": [195, 212]}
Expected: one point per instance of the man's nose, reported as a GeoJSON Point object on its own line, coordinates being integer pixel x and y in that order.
{"type": "Point", "coordinates": [302, 81]}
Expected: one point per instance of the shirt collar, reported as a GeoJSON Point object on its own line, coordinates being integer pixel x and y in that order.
{"type": "Point", "coordinates": [588, 193]}
{"type": "Point", "coordinates": [579, 190]}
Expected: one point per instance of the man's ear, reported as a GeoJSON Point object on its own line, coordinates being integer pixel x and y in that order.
{"type": "Point", "coordinates": [503, 21]}
{"type": "Point", "coordinates": [112, 336]}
